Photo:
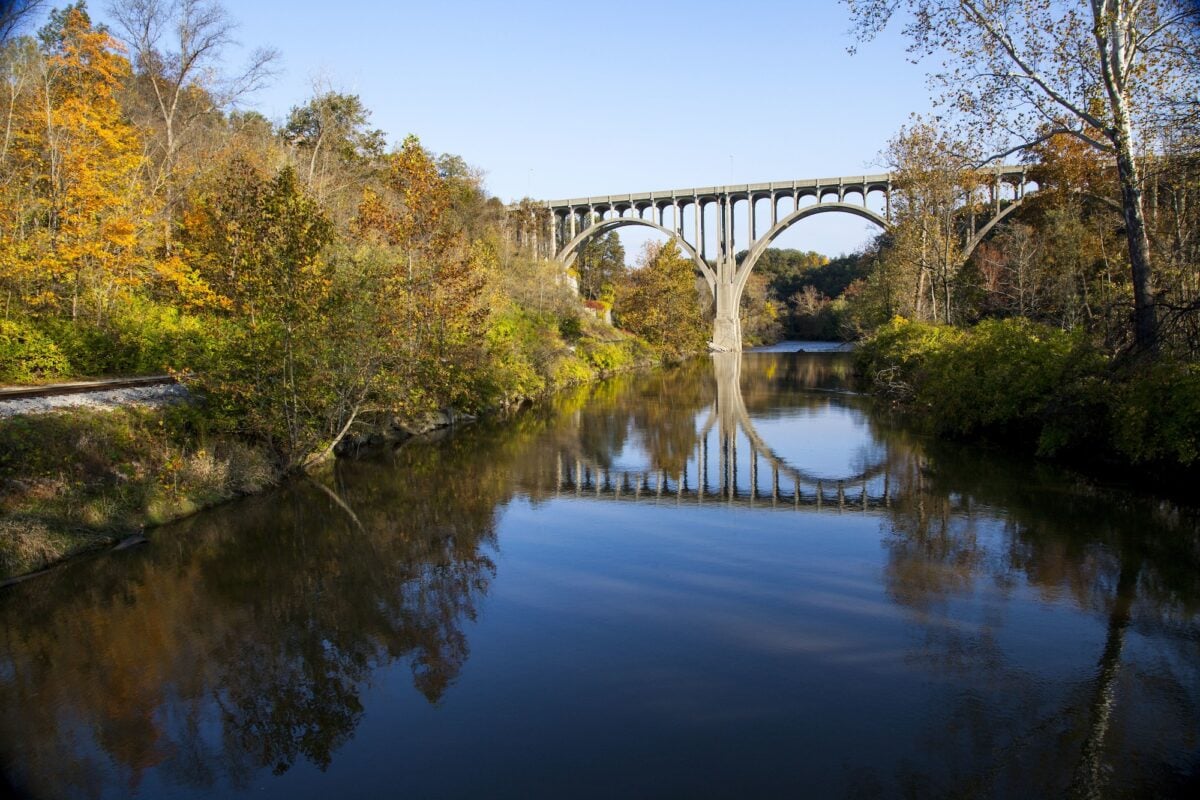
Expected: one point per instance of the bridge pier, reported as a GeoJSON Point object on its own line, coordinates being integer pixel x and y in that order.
{"type": "Point", "coordinates": [727, 326]}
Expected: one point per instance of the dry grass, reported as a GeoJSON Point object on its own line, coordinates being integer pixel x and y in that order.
{"type": "Point", "coordinates": [28, 544]}
{"type": "Point", "coordinates": [76, 480]}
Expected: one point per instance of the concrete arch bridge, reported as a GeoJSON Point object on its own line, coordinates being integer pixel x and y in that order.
{"type": "Point", "coordinates": [703, 219]}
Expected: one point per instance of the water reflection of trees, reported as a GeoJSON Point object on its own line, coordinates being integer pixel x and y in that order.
{"type": "Point", "coordinates": [971, 530]}
{"type": "Point", "coordinates": [961, 526]}
{"type": "Point", "coordinates": [262, 621]}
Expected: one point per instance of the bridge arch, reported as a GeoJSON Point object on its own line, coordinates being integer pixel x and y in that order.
{"type": "Point", "coordinates": [570, 250]}
{"type": "Point", "coordinates": [982, 233]}
{"type": "Point", "coordinates": [764, 242]}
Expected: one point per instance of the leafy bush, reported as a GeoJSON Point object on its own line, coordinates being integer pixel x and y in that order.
{"type": "Point", "coordinates": [570, 371]}
{"type": "Point", "coordinates": [520, 346]}
{"type": "Point", "coordinates": [1002, 373]}
{"type": "Point", "coordinates": [1012, 375]}
{"type": "Point", "coordinates": [139, 337]}
{"type": "Point", "coordinates": [28, 355]}
{"type": "Point", "coordinates": [570, 327]}
{"type": "Point", "coordinates": [1156, 414]}
{"type": "Point", "coordinates": [607, 356]}
{"type": "Point", "coordinates": [894, 357]}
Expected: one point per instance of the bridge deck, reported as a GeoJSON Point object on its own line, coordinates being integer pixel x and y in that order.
{"type": "Point", "coordinates": [879, 181]}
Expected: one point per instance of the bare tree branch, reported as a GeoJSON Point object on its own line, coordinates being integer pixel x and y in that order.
{"type": "Point", "coordinates": [14, 14]}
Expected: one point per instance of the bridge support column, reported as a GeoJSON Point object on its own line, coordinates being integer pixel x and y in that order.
{"type": "Point", "coordinates": [727, 328]}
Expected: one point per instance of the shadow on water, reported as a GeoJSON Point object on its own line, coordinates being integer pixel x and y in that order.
{"type": "Point", "coordinates": [244, 641]}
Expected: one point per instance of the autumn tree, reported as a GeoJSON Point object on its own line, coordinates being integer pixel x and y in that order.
{"type": "Point", "coordinates": [259, 241]}
{"type": "Point", "coordinates": [927, 240]}
{"type": "Point", "coordinates": [601, 264]}
{"type": "Point", "coordinates": [178, 48]}
{"type": "Point", "coordinates": [337, 150]}
{"type": "Point", "coordinates": [435, 284]}
{"type": "Point", "coordinates": [659, 301]}
{"type": "Point", "coordinates": [1021, 71]}
{"type": "Point", "coordinates": [760, 312]}
{"type": "Point", "coordinates": [471, 210]}
{"type": "Point", "coordinates": [71, 204]}
{"type": "Point", "coordinates": [1084, 277]}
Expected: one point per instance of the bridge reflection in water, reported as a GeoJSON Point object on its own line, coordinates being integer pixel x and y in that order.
{"type": "Point", "coordinates": [771, 481]}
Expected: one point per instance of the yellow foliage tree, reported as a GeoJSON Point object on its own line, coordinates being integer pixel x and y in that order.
{"type": "Point", "coordinates": [71, 203]}
{"type": "Point", "coordinates": [660, 303]}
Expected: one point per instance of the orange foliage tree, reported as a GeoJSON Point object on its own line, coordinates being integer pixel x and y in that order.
{"type": "Point", "coordinates": [71, 199]}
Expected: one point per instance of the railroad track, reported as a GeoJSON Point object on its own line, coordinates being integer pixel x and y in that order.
{"type": "Point", "coordinates": [81, 387]}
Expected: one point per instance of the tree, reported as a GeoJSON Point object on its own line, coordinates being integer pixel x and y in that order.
{"type": "Point", "coordinates": [333, 125]}
{"type": "Point", "coordinates": [1024, 70]}
{"type": "Point", "coordinates": [435, 293]}
{"type": "Point", "coordinates": [759, 312]}
{"type": "Point", "coordinates": [260, 242]}
{"type": "Point", "coordinates": [601, 264]}
{"type": "Point", "coordinates": [926, 247]}
{"type": "Point", "coordinates": [659, 301]}
{"type": "Point", "coordinates": [177, 47]}
{"type": "Point", "coordinates": [70, 203]}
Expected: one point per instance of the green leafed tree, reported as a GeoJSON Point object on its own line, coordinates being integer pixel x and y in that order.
{"type": "Point", "coordinates": [601, 265]}
{"type": "Point", "coordinates": [1018, 72]}
{"type": "Point", "coordinates": [259, 241]}
{"type": "Point", "coordinates": [333, 129]}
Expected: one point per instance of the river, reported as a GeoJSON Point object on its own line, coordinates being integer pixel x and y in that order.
{"type": "Point", "coordinates": [728, 579]}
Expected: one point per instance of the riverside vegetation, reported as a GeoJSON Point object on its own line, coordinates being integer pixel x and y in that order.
{"type": "Point", "coordinates": [1074, 328]}
{"type": "Point", "coordinates": [303, 279]}
{"type": "Point", "coordinates": [307, 282]}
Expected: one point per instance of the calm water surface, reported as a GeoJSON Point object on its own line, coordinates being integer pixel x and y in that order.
{"type": "Point", "coordinates": [731, 579]}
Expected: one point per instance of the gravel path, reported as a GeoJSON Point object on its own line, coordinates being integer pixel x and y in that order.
{"type": "Point", "coordinates": [100, 400]}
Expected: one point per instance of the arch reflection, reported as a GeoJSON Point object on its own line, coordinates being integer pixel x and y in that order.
{"type": "Point", "coordinates": [710, 471]}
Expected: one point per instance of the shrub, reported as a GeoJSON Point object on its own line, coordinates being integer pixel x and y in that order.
{"type": "Point", "coordinates": [570, 371]}
{"type": "Point", "coordinates": [1003, 373]}
{"type": "Point", "coordinates": [570, 327]}
{"type": "Point", "coordinates": [895, 355]}
{"type": "Point", "coordinates": [607, 356]}
{"type": "Point", "coordinates": [1013, 375]}
{"type": "Point", "coordinates": [1156, 414]}
{"type": "Point", "coordinates": [517, 344]}
{"type": "Point", "coordinates": [28, 355]}
{"type": "Point", "coordinates": [140, 336]}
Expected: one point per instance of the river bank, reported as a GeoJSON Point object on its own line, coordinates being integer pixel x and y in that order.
{"type": "Point", "coordinates": [80, 480]}
{"type": "Point", "coordinates": [1041, 391]}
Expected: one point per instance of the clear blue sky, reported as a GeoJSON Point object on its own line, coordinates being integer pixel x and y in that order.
{"type": "Point", "coordinates": [565, 99]}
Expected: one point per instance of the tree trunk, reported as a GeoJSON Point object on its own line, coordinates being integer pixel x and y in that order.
{"type": "Point", "coordinates": [1145, 317]}
{"type": "Point", "coordinates": [1114, 36]}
